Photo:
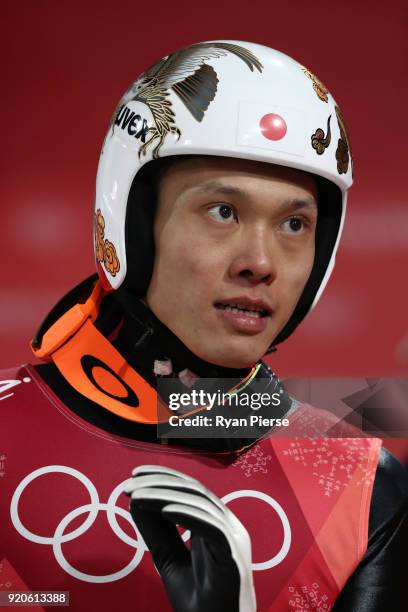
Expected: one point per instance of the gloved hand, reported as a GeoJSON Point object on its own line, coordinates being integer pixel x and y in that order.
{"type": "Point", "coordinates": [215, 575]}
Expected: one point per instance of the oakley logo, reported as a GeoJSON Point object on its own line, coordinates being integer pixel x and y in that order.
{"type": "Point", "coordinates": [91, 364]}
{"type": "Point", "coordinates": [91, 510]}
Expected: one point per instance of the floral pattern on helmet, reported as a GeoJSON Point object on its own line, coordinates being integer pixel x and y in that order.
{"type": "Point", "coordinates": [320, 141]}
{"type": "Point", "coordinates": [318, 86]}
{"type": "Point", "coordinates": [105, 251]}
{"type": "Point", "coordinates": [343, 151]}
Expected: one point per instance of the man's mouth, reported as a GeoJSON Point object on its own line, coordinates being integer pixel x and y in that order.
{"type": "Point", "coordinates": [235, 308]}
{"type": "Point", "coordinates": [244, 314]}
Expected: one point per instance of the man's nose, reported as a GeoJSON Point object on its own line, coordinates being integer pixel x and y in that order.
{"type": "Point", "coordinates": [256, 258]}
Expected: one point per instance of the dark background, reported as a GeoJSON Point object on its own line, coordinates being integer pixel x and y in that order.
{"type": "Point", "coordinates": [66, 65]}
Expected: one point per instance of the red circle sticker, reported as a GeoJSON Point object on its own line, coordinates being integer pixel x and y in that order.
{"type": "Point", "coordinates": [273, 126]}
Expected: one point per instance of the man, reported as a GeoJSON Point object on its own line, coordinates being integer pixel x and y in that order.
{"type": "Point", "coordinates": [220, 200]}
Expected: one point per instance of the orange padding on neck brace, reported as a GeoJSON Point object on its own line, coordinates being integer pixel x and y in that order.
{"type": "Point", "coordinates": [92, 365]}
{"type": "Point", "coordinates": [117, 379]}
{"type": "Point", "coordinates": [68, 324]}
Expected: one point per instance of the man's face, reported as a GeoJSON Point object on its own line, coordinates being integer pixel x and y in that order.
{"type": "Point", "coordinates": [234, 246]}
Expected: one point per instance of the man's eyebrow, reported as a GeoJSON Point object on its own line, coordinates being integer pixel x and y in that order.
{"type": "Point", "coordinates": [215, 187]}
{"type": "Point", "coordinates": [295, 203]}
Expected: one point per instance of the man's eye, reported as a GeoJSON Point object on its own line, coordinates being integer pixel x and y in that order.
{"type": "Point", "coordinates": [294, 225]}
{"type": "Point", "coordinates": [223, 213]}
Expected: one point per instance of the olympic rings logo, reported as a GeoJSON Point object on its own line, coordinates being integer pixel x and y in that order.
{"type": "Point", "coordinates": [112, 510]}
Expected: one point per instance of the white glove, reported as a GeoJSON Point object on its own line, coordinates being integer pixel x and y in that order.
{"type": "Point", "coordinates": [215, 575]}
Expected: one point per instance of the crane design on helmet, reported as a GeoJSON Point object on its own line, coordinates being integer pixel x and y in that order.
{"type": "Point", "coordinates": [194, 82]}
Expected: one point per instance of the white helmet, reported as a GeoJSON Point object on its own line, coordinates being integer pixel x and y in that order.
{"type": "Point", "coordinates": [224, 98]}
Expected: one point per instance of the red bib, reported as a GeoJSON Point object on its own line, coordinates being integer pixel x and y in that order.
{"type": "Point", "coordinates": [65, 524]}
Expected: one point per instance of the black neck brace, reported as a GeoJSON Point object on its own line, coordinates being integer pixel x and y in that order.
{"type": "Point", "coordinates": [143, 339]}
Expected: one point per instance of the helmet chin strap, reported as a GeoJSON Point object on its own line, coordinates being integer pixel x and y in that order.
{"type": "Point", "coordinates": [143, 339]}
{"type": "Point", "coordinates": [70, 338]}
